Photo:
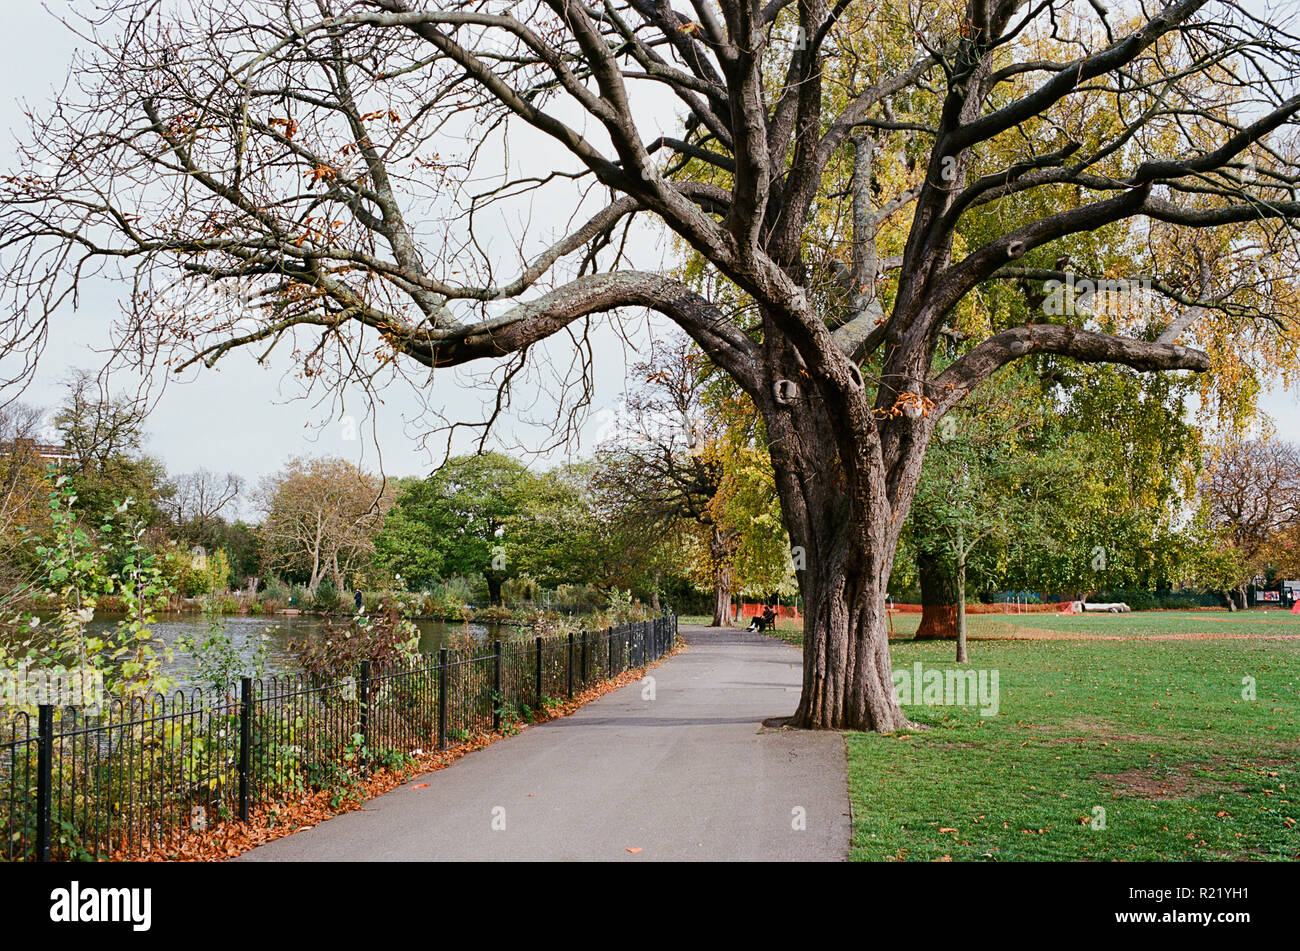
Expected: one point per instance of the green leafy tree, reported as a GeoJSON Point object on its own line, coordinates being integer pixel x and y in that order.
{"type": "Point", "coordinates": [103, 435]}
{"type": "Point", "coordinates": [407, 547]}
{"type": "Point", "coordinates": [984, 490]}
{"type": "Point", "coordinates": [555, 537]}
{"type": "Point", "coordinates": [81, 568]}
{"type": "Point", "coordinates": [458, 518]}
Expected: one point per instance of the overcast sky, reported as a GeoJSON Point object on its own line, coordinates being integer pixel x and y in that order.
{"type": "Point", "coordinates": [242, 417]}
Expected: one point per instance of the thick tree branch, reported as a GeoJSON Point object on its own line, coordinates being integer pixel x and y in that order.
{"type": "Point", "coordinates": [954, 383]}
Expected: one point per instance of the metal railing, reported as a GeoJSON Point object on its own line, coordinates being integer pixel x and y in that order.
{"type": "Point", "coordinates": [144, 773]}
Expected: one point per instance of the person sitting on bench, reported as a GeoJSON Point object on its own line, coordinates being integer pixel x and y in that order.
{"type": "Point", "coordinates": [762, 622]}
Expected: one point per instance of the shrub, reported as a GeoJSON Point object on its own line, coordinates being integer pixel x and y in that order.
{"type": "Point", "coordinates": [326, 597]}
{"type": "Point", "coordinates": [219, 604]}
{"type": "Point", "coordinates": [338, 650]}
{"type": "Point", "coordinates": [493, 614]}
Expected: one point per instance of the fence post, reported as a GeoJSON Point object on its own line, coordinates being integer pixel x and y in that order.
{"type": "Point", "coordinates": [442, 698]}
{"type": "Point", "coordinates": [539, 675]}
{"type": "Point", "coordinates": [245, 746]}
{"type": "Point", "coordinates": [570, 665]}
{"type": "Point", "coordinates": [44, 779]}
{"type": "Point", "coordinates": [610, 632]}
{"type": "Point", "coordinates": [497, 698]}
{"type": "Point", "coordinates": [584, 659]}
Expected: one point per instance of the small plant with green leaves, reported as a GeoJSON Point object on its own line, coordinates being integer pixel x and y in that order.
{"type": "Point", "coordinates": [509, 713]}
{"type": "Point", "coordinates": [81, 569]}
{"type": "Point", "coordinates": [219, 662]}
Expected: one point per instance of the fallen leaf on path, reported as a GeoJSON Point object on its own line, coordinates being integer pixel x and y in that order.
{"type": "Point", "coordinates": [634, 851]}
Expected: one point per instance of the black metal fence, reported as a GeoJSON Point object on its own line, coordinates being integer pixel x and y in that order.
{"type": "Point", "coordinates": [144, 773]}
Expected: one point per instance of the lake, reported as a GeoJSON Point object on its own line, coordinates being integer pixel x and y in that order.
{"type": "Point", "coordinates": [244, 631]}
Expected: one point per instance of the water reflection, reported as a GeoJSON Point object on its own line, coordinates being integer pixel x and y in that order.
{"type": "Point", "coordinates": [280, 630]}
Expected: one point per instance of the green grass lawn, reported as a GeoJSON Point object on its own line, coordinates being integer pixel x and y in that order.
{"type": "Point", "coordinates": [1156, 733]}
{"type": "Point", "coordinates": [1144, 624]}
{"type": "Point", "coordinates": [703, 619]}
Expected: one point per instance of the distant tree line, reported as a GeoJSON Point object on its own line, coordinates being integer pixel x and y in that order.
{"type": "Point", "coordinates": [1058, 479]}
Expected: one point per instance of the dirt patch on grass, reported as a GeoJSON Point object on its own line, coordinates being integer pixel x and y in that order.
{"type": "Point", "coordinates": [1184, 781]}
{"type": "Point", "coordinates": [1089, 730]}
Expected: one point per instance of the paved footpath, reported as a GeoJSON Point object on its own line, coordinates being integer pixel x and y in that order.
{"type": "Point", "coordinates": [689, 775]}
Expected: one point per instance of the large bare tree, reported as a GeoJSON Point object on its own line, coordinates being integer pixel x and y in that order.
{"type": "Point", "coordinates": [300, 155]}
{"type": "Point", "coordinates": [199, 499]}
{"type": "Point", "coordinates": [322, 516]}
{"type": "Point", "coordinates": [654, 470]}
{"type": "Point", "coordinates": [1253, 490]}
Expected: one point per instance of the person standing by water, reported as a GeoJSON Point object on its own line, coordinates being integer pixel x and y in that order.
{"type": "Point", "coordinates": [357, 593]}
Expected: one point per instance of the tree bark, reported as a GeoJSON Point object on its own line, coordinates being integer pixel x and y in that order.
{"type": "Point", "coordinates": [719, 552]}
{"type": "Point", "coordinates": [847, 673]}
{"type": "Point", "coordinates": [722, 597]}
{"type": "Point", "coordinates": [844, 530]}
{"type": "Point", "coordinates": [961, 611]}
{"type": "Point", "coordinates": [938, 598]}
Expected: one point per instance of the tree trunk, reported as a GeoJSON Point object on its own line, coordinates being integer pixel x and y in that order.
{"type": "Point", "coordinates": [938, 598]}
{"type": "Point", "coordinates": [844, 533]}
{"type": "Point", "coordinates": [720, 554]}
{"type": "Point", "coordinates": [847, 673]}
{"type": "Point", "coordinates": [722, 597]}
{"type": "Point", "coordinates": [961, 611]}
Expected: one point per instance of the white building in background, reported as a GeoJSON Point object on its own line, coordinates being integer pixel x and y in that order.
{"type": "Point", "coordinates": [50, 452]}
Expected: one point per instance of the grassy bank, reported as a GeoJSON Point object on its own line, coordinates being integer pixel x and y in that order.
{"type": "Point", "coordinates": [1145, 624]}
{"type": "Point", "coordinates": [1155, 733]}
{"type": "Point", "coordinates": [1151, 734]}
